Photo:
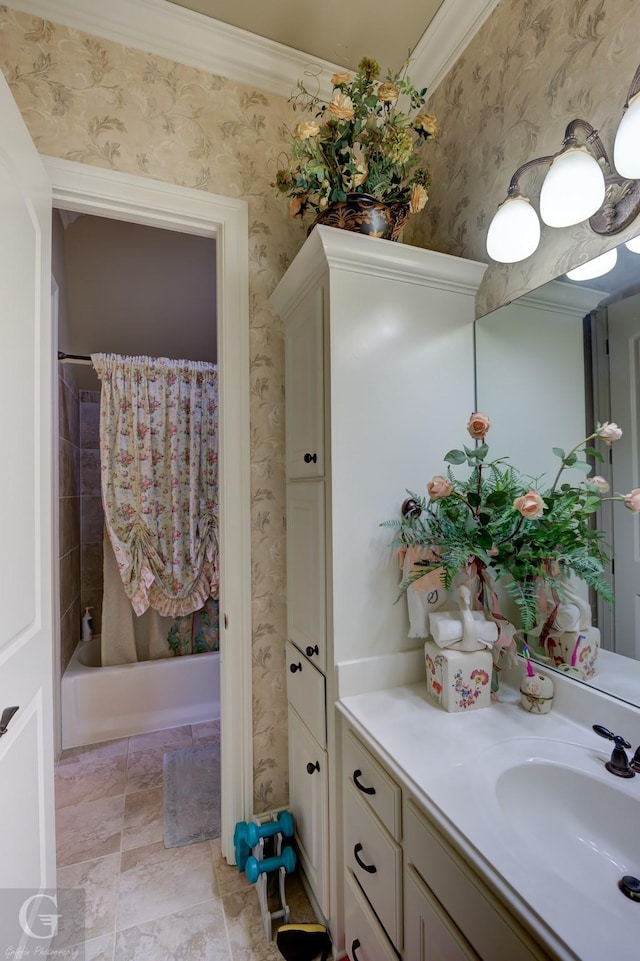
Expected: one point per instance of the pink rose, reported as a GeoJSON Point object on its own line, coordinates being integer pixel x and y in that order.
{"type": "Point", "coordinates": [599, 483]}
{"type": "Point", "coordinates": [608, 432]}
{"type": "Point", "coordinates": [530, 505]}
{"type": "Point", "coordinates": [632, 500]}
{"type": "Point", "coordinates": [478, 425]}
{"type": "Point", "coordinates": [438, 487]}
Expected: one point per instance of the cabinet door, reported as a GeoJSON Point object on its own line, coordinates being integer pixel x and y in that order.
{"type": "Point", "coordinates": [429, 933]}
{"type": "Point", "coordinates": [305, 569]}
{"type": "Point", "coordinates": [304, 377]}
{"type": "Point", "coordinates": [306, 694]}
{"type": "Point", "coordinates": [308, 799]}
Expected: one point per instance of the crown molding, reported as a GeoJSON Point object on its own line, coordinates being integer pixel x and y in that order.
{"type": "Point", "coordinates": [342, 250]}
{"type": "Point", "coordinates": [447, 36]}
{"type": "Point", "coordinates": [193, 39]}
{"type": "Point", "coordinates": [170, 31]}
{"type": "Point", "coordinates": [563, 297]}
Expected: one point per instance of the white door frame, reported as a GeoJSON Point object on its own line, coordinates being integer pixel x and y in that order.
{"type": "Point", "coordinates": [107, 193]}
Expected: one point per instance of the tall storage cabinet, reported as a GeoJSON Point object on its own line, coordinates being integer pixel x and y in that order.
{"type": "Point", "coordinates": [379, 385]}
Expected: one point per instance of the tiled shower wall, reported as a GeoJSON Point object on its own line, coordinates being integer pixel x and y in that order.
{"type": "Point", "coordinates": [81, 516]}
{"type": "Point", "coordinates": [69, 510]}
{"type": "Point", "coordinates": [91, 513]}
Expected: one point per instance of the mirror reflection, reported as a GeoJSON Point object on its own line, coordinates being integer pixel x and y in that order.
{"type": "Point", "coordinates": [549, 367]}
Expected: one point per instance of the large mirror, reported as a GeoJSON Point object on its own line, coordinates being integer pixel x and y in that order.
{"type": "Point", "coordinates": [548, 367]}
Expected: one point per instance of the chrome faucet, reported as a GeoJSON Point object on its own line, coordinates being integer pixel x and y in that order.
{"type": "Point", "coordinates": [619, 763]}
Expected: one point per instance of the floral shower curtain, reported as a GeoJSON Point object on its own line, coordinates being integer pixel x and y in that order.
{"type": "Point", "coordinates": [159, 458]}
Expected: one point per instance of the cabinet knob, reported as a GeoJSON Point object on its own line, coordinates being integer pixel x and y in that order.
{"type": "Point", "coordinates": [369, 868]}
{"type": "Point", "coordinates": [312, 768]}
{"type": "Point", "coordinates": [355, 944]}
{"type": "Point", "coordinates": [365, 790]}
{"type": "Point", "coordinates": [310, 458]}
{"type": "Point", "coordinates": [310, 651]}
{"type": "Point", "coordinates": [295, 667]}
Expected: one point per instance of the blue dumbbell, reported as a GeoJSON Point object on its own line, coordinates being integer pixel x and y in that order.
{"type": "Point", "coordinates": [255, 868]}
{"type": "Point", "coordinates": [241, 844]}
{"type": "Point", "coordinates": [283, 825]}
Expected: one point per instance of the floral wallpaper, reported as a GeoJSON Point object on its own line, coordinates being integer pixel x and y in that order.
{"type": "Point", "coordinates": [532, 67]}
{"type": "Point", "coordinates": [102, 103]}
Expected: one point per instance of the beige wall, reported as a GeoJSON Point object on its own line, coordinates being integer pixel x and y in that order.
{"type": "Point", "coordinates": [533, 67]}
{"type": "Point", "coordinates": [135, 289]}
{"type": "Point", "coordinates": [102, 103]}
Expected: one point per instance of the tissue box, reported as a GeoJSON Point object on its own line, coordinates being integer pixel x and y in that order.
{"type": "Point", "coordinates": [576, 649]}
{"type": "Point", "coordinates": [458, 680]}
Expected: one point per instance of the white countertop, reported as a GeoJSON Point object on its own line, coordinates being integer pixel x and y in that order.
{"type": "Point", "coordinates": [438, 757]}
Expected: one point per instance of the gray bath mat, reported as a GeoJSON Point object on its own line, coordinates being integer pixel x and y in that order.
{"type": "Point", "coordinates": [191, 795]}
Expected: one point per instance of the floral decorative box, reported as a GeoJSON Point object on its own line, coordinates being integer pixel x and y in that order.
{"type": "Point", "coordinates": [458, 680]}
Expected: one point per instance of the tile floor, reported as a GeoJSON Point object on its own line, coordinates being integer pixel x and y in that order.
{"type": "Point", "coordinates": [139, 900]}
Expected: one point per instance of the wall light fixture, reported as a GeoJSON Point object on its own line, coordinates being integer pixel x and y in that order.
{"type": "Point", "coordinates": [581, 184]}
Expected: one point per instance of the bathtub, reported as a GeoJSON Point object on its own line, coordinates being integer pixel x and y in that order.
{"type": "Point", "coordinates": [100, 703]}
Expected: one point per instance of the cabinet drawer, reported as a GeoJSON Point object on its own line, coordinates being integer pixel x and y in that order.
{"type": "Point", "coordinates": [376, 787]}
{"type": "Point", "coordinates": [484, 922]}
{"type": "Point", "coordinates": [376, 861]}
{"type": "Point", "coordinates": [305, 691]}
{"type": "Point", "coordinates": [306, 569]}
{"type": "Point", "coordinates": [364, 938]}
{"type": "Point", "coordinates": [428, 931]}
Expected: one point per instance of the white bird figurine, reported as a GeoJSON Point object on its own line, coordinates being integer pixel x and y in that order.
{"type": "Point", "coordinates": [465, 630]}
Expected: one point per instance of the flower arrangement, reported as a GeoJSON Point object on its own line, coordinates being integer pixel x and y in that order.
{"type": "Point", "coordinates": [359, 142]}
{"type": "Point", "coordinates": [495, 525]}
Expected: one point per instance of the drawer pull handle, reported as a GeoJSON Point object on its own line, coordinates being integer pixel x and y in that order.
{"type": "Point", "coordinates": [295, 667]}
{"type": "Point", "coordinates": [310, 458]}
{"type": "Point", "coordinates": [355, 944]}
{"type": "Point", "coordinates": [7, 714]}
{"type": "Point", "coordinates": [369, 868]}
{"type": "Point", "coordinates": [312, 768]}
{"type": "Point", "coordinates": [365, 790]}
{"type": "Point", "coordinates": [310, 651]}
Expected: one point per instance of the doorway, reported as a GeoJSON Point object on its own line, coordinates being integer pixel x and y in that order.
{"type": "Point", "coordinates": [85, 189]}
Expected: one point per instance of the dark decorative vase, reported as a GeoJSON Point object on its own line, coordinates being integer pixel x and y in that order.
{"type": "Point", "coordinates": [365, 215]}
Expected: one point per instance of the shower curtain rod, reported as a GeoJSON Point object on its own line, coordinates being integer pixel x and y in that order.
{"type": "Point", "coordinates": [74, 358]}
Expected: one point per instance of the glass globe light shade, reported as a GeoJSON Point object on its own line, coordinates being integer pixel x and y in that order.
{"type": "Point", "coordinates": [595, 268]}
{"type": "Point", "coordinates": [626, 149]}
{"type": "Point", "coordinates": [514, 232]}
{"type": "Point", "coordinates": [573, 189]}
{"type": "Point", "coordinates": [633, 245]}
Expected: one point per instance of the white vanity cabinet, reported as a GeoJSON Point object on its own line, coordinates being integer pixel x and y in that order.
{"type": "Point", "coordinates": [406, 888]}
{"type": "Point", "coordinates": [376, 334]}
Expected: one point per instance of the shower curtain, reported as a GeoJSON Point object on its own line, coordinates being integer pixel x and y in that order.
{"type": "Point", "coordinates": [127, 638]}
{"type": "Point", "coordinates": [159, 453]}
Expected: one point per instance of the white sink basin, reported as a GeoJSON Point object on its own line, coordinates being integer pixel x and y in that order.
{"type": "Point", "coordinates": [585, 821]}
{"type": "Point", "coordinates": [566, 814]}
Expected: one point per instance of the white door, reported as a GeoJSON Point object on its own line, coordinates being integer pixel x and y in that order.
{"type": "Point", "coordinates": [27, 831]}
{"type": "Point", "coordinates": [624, 361]}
